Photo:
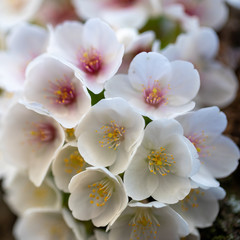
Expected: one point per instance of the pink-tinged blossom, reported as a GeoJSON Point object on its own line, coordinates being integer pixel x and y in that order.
{"type": "Point", "coordinates": [54, 85]}
{"type": "Point", "coordinates": [55, 12]}
{"type": "Point", "coordinates": [118, 13]}
{"type": "Point", "coordinates": [153, 220]}
{"type": "Point", "coordinates": [156, 87]}
{"type": "Point", "coordinates": [30, 141]}
{"type": "Point", "coordinates": [162, 165]}
{"type": "Point", "coordinates": [219, 83]}
{"type": "Point", "coordinates": [191, 13]}
{"type": "Point", "coordinates": [23, 44]}
{"type": "Point", "coordinates": [91, 49]}
{"type": "Point", "coordinates": [13, 12]}
{"type": "Point", "coordinates": [218, 154]}
{"type": "Point", "coordinates": [134, 43]}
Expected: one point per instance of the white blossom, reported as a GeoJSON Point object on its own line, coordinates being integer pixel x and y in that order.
{"type": "Point", "coordinates": [109, 134]}
{"type": "Point", "coordinates": [217, 153]}
{"type": "Point", "coordinates": [39, 224]}
{"type": "Point", "coordinates": [153, 220]}
{"type": "Point", "coordinates": [218, 82]}
{"type": "Point", "coordinates": [22, 194]}
{"type": "Point", "coordinates": [200, 207]}
{"type": "Point", "coordinates": [163, 164]}
{"type": "Point", "coordinates": [97, 195]}
{"type": "Point", "coordinates": [67, 163]}
{"type": "Point", "coordinates": [156, 87]}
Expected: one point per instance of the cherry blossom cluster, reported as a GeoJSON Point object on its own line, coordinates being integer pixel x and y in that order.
{"type": "Point", "coordinates": [105, 133]}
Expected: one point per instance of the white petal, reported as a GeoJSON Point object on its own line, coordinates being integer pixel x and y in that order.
{"type": "Point", "coordinates": [145, 68]}
{"type": "Point", "coordinates": [204, 179]}
{"type": "Point", "coordinates": [218, 85]}
{"type": "Point", "coordinates": [214, 14]}
{"type": "Point", "coordinates": [223, 157]}
{"type": "Point", "coordinates": [27, 40]}
{"type": "Point", "coordinates": [171, 189]}
{"type": "Point", "coordinates": [210, 120]}
{"type": "Point", "coordinates": [21, 129]}
{"type": "Point", "coordinates": [79, 201]}
{"type": "Point", "coordinates": [20, 200]}
{"type": "Point", "coordinates": [67, 164]}
{"type": "Point", "coordinates": [66, 40]}
{"type": "Point", "coordinates": [139, 181]}
{"type": "Point", "coordinates": [40, 224]}
{"type": "Point", "coordinates": [184, 83]}
{"type": "Point", "coordinates": [159, 131]}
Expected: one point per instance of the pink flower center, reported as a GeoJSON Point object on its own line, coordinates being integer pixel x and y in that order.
{"type": "Point", "coordinates": [63, 92]}
{"type": "Point", "coordinates": [119, 3]}
{"type": "Point", "coordinates": [155, 95]}
{"type": "Point", "coordinates": [199, 142]}
{"type": "Point", "coordinates": [43, 132]}
{"type": "Point", "coordinates": [125, 3]}
{"type": "Point", "coordinates": [191, 8]}
{"type": "Point", "coordinates": [90, 61]}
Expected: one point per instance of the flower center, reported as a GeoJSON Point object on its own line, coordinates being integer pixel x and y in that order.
{"type": "Point", "coordinates": [74, 163]}
{"type": "Point", "coordinates": [69, 132]}
{"type": "Point", "coordinates": [190, 8]}
{"type": "Point", "coordinates": [100, 192]}
{"type": "Point", "coordinates": [43, 132]}
{"type": "Point", "coordinates": [63, 92]}
{"type": "Point", "coordinates": [198, 140]}
{"type": "Point", "coordinates": [160, 161]}
{"type": "Point", "coordinates": [155, 95]}
{"type": "Point", "coordinates": [125, 3]}
{"type": "Point", "coordinates": [40, 193]}
{"type": "Point", "coordinates": [119, 3]}
{"type": "Point", "coordinates": [191, 200]}
{"type": "Point", "coordinates": [144, 225]}
{"type": "Point", "coordinates": [90, 61]}
{"type": "Point", "coordinates": [57, 231]}
{"type": "Point", "coordinates": [113, 135]}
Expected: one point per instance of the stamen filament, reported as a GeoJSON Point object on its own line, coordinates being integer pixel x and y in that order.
{"type": "Point", "coordinates": [160, 161]}
{"type": "Point", "coordinates": [113, 134]}
{"type": "Point", "coordinates": [144, 224]}
{"type": "Point", "coordinates": [101, 192]}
